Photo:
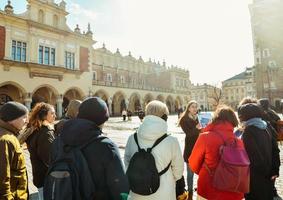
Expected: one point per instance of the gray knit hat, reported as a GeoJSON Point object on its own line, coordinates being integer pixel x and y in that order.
{"type": "Point", "coordinates": [12, 110]}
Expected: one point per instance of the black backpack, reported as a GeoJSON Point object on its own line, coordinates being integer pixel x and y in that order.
{"type": "Point", "coordinates": [68, 176]}
{"type": "Point", "coordinates": [142, 172]}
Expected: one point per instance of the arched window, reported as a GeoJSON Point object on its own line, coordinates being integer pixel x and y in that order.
{"type": "Point", "coordinates": [55, 20]}
{"type": "Point", "coordinates": [40, 16]}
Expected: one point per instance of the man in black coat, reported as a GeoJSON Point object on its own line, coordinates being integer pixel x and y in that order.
{"type": "Point", "coordinates": [271, 117]}
{"type": "Point", "coordinates": [262, 150]}
{"type": "Point", "coordinates": [102, 156]}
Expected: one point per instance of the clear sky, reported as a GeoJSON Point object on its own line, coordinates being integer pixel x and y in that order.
{"type": "Point", "coordinates": [211, 38]}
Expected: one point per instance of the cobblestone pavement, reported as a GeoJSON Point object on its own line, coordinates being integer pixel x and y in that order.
{"type": "Point", "coordinates": [119, 131]}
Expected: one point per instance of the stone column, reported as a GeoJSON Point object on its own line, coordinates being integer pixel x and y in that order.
{"type": "Point", "coordinates": [59, 102]}
{"type": "Point", "coordinates": [142, 104]}
{"type": "Point", "coordinates": [127, 103]}
{"type": "Point", "coordinates": [110, 106]}
{"type": "Point", "coordinates": [28, 103]}
{"type": "Point", "coordinates": [28, 100]}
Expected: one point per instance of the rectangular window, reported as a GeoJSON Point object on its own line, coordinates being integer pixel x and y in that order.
{"type": "Point", "coordinates": [14, 46]}
{"type": "Point", "coordinates": [73, 60]}
{"type": "Point", "coordinates": [46, 55]}
{"type": "Point", "coordinates": [69, 60]}
{"type": "Point", "coordinates": [52, 61]}
{"type": "Point", "coordinates": [65, 59]}
{"type": "Point", "coordinates": [19, 50]}
{"type": "Point", "coordinates": [24, 52]}
{"type": "Point", "coordinates": [40, 55]}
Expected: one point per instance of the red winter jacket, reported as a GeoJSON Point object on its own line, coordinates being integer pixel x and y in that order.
{"type": "Point", "coordinates": [206, 150]}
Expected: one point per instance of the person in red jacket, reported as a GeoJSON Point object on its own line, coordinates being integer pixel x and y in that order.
{"type": "Point", "coordinates": [206, 150]}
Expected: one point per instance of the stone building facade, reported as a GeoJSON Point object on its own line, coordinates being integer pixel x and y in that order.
{"type": "Point", "coordinates": [42, 59]}
{"type": "Point", "coordinates": [267, 29]}
{"type": "Point", "coordinates": [207, 96]}
{"type": "Point", "coordinates": [239, 86]}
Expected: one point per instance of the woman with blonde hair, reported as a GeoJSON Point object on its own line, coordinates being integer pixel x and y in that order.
{"type": "Point", "coordinates": [73, 109]}
{"type": "Point", "coordinates": [39, 142]}
{"type": "Point", "coordinates": [71, 113]}
{"type": "Point", "coordinates": [190, 125]}
{"type": "Point", "coordinates": [167, 154]}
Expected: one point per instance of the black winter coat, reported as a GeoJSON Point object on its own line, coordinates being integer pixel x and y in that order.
{"type": "Point", "coordinates": [103, 158]}
{"type": "Point", "coordinates": [39, 146]}
{"type": "Point", "coordinates": [275, 151]}
{"type": "Point", "coordinates": [258, 144]}
{"type": "Point", "coordinates": [188, 125]}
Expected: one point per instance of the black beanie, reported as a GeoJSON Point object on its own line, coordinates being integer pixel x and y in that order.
{"type": "Point", "coordinates": [94, 109]}
{"type": "Point", "coordinates": [249, 111]}
{"type": "Point", "coordinates": [12, 110]}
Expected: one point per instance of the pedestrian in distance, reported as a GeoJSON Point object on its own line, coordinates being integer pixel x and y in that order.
{"type": "Point", "coordinates": [205, 156]}
{"type": "Point", "coordinates": [163, 157]}
{"type": "Point", "coordinates": [96, 167]}
{"type": "Point", "coordinates": [191, 127]}
{"type": "Point", "coordinates": [258, 141]}
{"type": "Point", "coordinates": [141, 114]}
{"type": "Point", "coordinates": [13, 173]}
{"type": "Point", "coordinates": [124, 114]}
{"type": "Point", "coordinates": [39, 141]}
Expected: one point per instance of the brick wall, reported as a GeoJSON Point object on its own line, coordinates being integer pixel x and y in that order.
{"type": "Point", "coordinates": [2, 41]}
{"type": "Point", "coordinates": [84, 59]}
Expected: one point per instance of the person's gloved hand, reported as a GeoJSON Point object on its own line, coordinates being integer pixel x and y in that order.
{"type": "Point", "coordinates": [181, 193]}
{"type": "Point", "coordinates": [183, 196]}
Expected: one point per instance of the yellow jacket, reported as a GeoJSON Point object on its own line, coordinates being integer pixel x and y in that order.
{"type": "Point", "coordinates": [13, 174]}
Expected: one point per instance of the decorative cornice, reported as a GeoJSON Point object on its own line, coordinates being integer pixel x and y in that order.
{"type": "Point", "coordinates": [45, 75]}
{"type": "Point", "coordinates": [38, 70]}
{"type": "Point", "coordinates": [47, 27]}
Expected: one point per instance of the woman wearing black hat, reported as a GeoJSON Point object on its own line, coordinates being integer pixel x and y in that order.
{"type": "Point", "coordinates": [258, 143]}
